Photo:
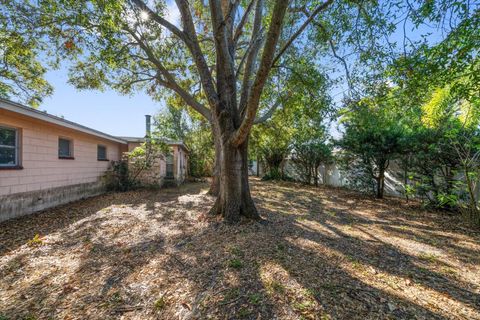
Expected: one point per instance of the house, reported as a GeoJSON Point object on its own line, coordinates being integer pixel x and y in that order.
{"type": "Point", "coordinates": [46, 160]}
{"type": "Point", "coordinates": [169, 169]}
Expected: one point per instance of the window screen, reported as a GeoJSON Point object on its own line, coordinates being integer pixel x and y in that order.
{"type": "Point", "coordinates": [101, 152]}
{"type": "Point", "coordinates": [64, 148]}
{"type": "Point", "coordinates": [8, 147]}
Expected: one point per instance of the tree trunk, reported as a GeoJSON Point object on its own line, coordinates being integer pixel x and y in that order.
{"type": "Point", "coordinates": [215, 185]}
{"type": "Point", "coordinates": [309, 175]}
{"type": "Point", "coordinates": [258, 165]}
{"type": "Point", "coordinates": [380, 185]}
{"type": "Point", "coordinates": [234, 199]}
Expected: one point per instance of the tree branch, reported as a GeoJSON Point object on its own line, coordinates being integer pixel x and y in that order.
{"type": "Point", "coordinates": [252, 53]}
{"type": "Point", "coordinates": [196, 51]}
{"type": "Point", "coordinates": [157, 18]}
{"type": "Point", "coordinates": [275, 28]}
{"type": "Point", "coordinates": [170, 81]}
{"type": "Point", "coordinates": [334, 51]}
{"type": "Point", "coordinates": [280, 100]}
{"type": "Point", "coordinates": [226, 81]}
{"type": "Point", "coordinates": [243, 20]}
{"type": "Point", "coordinates": [289, 42]}
{"type": "Point", "coordinates": [189, 37]}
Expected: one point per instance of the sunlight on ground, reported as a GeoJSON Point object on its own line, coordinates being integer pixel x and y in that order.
{"type": "Point", "coordinates": [291, 295]}
{"type": "Point", "coordinates": [323, 254]}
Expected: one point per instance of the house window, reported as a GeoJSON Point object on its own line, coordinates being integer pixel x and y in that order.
{"type": "Point", "coordinates": [169, 173]}
{"type": "Point", "coordinates": [65, 148]}
{"type": "Point", "coordinates": [101, 153]}
{"type": "Point", "coordinates": [9, 146]}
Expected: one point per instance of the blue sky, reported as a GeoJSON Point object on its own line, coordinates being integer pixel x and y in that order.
{"type": "Point", "coordinates": [106, 111]}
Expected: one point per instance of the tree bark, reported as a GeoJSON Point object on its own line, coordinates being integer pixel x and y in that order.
{"type": "Point", "coordinates": [234, 199]}
{"type": "Point", "coordinates": [380, 185]}
{"type": "Point", "coordinates": [315, 179]}
{"type": "Point", "coordinates": [215, 185]}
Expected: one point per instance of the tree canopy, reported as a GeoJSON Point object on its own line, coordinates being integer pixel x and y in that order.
{"type": "Point", "coordinates": [22, 71]}
{"type": "Point", "coordinates": [240, 63]}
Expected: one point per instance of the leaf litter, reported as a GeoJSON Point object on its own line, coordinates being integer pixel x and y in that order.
{"type": "Point", "coordinates": [320, 253]}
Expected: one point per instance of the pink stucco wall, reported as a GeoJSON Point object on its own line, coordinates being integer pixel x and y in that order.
{"type": "Point", "coordinates": [42, 169]}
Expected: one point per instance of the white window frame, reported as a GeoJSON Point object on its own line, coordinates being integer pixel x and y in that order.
{"type": "Point", "coordinates": [16, 147]}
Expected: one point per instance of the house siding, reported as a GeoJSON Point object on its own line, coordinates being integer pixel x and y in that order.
{"type": "Point", "coordinates": [42, 169]}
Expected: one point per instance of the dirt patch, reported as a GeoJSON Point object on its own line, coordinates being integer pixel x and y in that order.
{"type": "Point", "coordinates": [321, 254]}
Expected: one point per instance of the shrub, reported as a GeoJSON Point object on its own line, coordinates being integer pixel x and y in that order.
{"type": "Point", "coordinates": [117, 177]}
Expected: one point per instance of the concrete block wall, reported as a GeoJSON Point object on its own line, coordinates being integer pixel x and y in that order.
{"type": "Point", "coordinates": [20, 204]}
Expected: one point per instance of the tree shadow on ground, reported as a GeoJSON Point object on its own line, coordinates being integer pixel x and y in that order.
{"type": "Point", "coordinates": [17, 232]}
{"type": "Point", "coordinates": [322, 254]}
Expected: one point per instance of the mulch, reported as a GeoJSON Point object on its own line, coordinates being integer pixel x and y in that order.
{"type": "Point", "coordinates": [320, 253]}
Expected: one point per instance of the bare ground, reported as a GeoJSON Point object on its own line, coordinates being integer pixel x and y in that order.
{"type": "Point", "coordinates": [322, 254]}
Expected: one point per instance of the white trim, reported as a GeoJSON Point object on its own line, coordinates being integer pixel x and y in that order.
{"type": "Point", "coordinates": [32, 113]}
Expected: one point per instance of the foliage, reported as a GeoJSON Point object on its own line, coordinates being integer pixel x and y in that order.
{"type": "Point", "coordinates": [117, 177]}
{"type": "Point", "coordinates": [448, 168]}
{"type": "Point", "coordinates": [452, 62]}
{"type": "Point", "coordinates": [172, 123]}
{"type": "Point", "coordinates": [468, 151]}
{"type": "Point", "coordinates": [144, 157]}
{"type": "Point", "coordinates": [308, 156]}
{"type": "Point", "coordinates": [299, 118]}
{"type": "Point", "coordinates": [126, 174]}
{"type": "Point", "coordinates": [373, 137]}
{"type": "Point", "coordinates": [22, 74]}
{"type": "Point", "coordinates": [272, 143]}
{"type": "Point", "coordinates": [176, 123]}
{"type": "Point", "coordinates": [35, 241]}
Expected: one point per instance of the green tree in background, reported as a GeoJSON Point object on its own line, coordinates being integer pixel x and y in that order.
{"type": "Point", "coordinates": [271, 144]}
{"type": "Point", "coordinates": [175, 123]}
{"type": "Point", "coordinates": [300, 116]}
{"type": "Point", "coordinates": [447, 149]}
{"type": "Point", "coordinates": [22, 75]}
{"type": "Point", "coordinates": [307, 157]}
{"type": "Point", "coordinates": [373, 137]}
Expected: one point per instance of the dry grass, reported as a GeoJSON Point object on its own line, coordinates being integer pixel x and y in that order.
{"type": "Point", "coordinates": [322, 254]}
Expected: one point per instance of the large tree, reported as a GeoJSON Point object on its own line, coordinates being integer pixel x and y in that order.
{"type": "Point", "coordinates": [217, 58]}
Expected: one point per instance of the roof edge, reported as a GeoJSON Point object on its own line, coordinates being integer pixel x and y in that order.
{"type": "Point", "coordinates": [44, 116]}
{"type": "Point", "coordinates": [167, 141]}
